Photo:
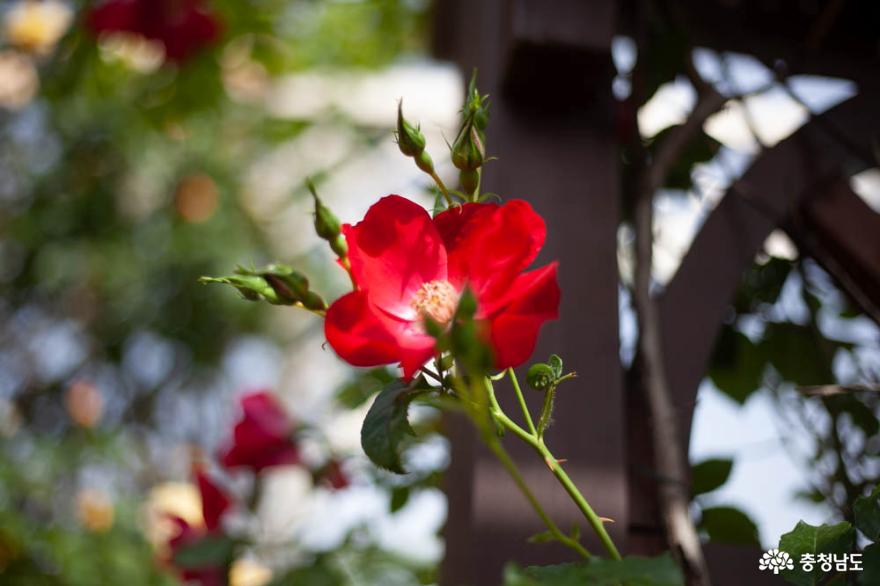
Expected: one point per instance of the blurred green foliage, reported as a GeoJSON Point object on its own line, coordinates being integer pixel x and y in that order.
{"type": "Point", "coordinates": [120, 187]}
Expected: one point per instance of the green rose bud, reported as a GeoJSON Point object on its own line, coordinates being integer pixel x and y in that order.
{"type": "Point", "coordinates": [467, 151]}
{"type": "Point", "coordinates": [410, 140]}
{"type": "Point", "coordinates": [541, 376]}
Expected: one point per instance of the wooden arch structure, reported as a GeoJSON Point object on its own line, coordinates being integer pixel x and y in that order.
{"type": "Point", "coordinates": [547, 66]}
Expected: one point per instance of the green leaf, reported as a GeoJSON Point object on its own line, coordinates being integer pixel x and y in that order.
{"type": "Point", "coordinates": [870, 574]}
{"type": "Point", "coordinates": [399, 498]}
{"type": "Point", "coordinates": [630, 571]}
{"type": "Point", "coordinates": [805, 538]}
{"type": "Point", "coordinates": [796, 353]}
{"type": "Point", "coordinates": [698, 150]}
{"type": "Point", "coordinates": [737, 365]}
{"type": "Point", "coordinates": [321, 573]}
{"type": "Point", "coordinates": [729, 525]}
{"type": "Point", "coordinates": [762, 285]}
{"type": "Point", "coordinates": [210, 551]}
{"type": "Point", "coordinates": [386, 425]}
{"type": "Point", "coordinates": [709, 475]}
{"type": "Point", "coordinates": [367, 384]}
{"type": "Point", "coordinates": [867, 514]}
{"type": "Point", "coordinates": [542, 537]}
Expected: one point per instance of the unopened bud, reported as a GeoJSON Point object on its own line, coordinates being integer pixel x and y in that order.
{"type": "Point", "coordinates": [410, 139]}
{"type": "Point", "coordinates": [288, 283]}
{"type": "Point", "coordinates": [326, 223]}
{"type": "Point", "coordinates": [467, 152]}
{"type": "Point", "coordinates": [541, 376]}
{"type": "Point", "coordinates": [313, 301]}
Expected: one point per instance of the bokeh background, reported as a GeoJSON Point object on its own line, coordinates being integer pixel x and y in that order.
{"type": "Point", "coordinates": [128, 171]}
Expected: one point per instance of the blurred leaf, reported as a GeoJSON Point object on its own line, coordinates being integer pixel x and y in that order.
{"type": "Point", "coordinates": [209, 551]}
{"type": "Point", "coordinates": [867, 514]}
{"type": "Point", "coordinates": [762, 284]}
{"type": "Point", "coordinates": [794, 352]}
{"type": "Point", "coordinates": [709, 475]}
{"type": "Point", "coordinates": [320, 573]}
{"type": "Point", "coordinates": [364, 386]}
{"type": "Point", "coordinates": [805, 538]}
{"type": "Point", "coordinates": [870, 575]}
{"type": "Point", "coordinates": [862, 416]}
{"type": "Point", "coordinates": [399, 497]}
{"type": "Point", "coordinates": [386, 425]}
{"type": "Point", "coordinates": [630, 571]}
{"type": "Point", "coordinates": [737, 365]}
{"type": "Point", "coordinates": [700, 149]}
{"type": "Point", "coordinates": [729, 525]}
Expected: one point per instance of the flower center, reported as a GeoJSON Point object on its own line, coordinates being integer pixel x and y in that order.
{"type": "Point", "coordinates": [437, 299]}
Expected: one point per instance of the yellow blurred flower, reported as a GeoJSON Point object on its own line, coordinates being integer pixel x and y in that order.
{"type": "Point", "coordinates": [249, 572]}
{"type": "Point", "coordinates": [84, 403]}
{"type": "Point", "coordinates": [166, 500]}
{"type": "Point", "coordinates": [37, 25]}
{"type": "Point", "coordinates": [19, 81]}
{"type": "Point", "coordinates": [94, 509]}
{"type": "Point", "coordinates": [134, 51]}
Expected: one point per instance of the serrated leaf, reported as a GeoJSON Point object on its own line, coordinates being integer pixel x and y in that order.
{"type": "Point", "coordinates": [209, 551]}
{"type": "Point", "coordinates": [729, 525]}
{"type": "Point", "coordinates": [386, 425]}
{"type": "Point", "coordinates": [630, 571]}
{"type": "Point", "coordinates": [710, 475]}
{"type": "Point", "coordinates": [867, 514]}
{"type": "Point", "coordinates": [806, 538]}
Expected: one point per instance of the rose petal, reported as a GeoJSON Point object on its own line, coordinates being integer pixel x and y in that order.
{"type": "Point", "coordinates": [214, 500]}
{"type": "Point", "coordinates": [393, 252]}
{"type": "Point", "coordinates": [534, 299]}
{"type": "Point", "coordinates": [488, 245]}
{"type": "Point", "coordinates": [364, 335]}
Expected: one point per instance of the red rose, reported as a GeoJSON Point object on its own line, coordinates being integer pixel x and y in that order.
{"type": "Point", "coordinates": [181, 26]}
{"type": "Point", "coordinates": [407, 264]}
{"type": "Point", "coordinates": [262, 437]}
{"type": "Point", "coordinates": [215, 503]}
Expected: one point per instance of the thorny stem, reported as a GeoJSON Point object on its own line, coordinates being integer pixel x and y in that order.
{"type": "Point", "coordinates": [555, 467]}
{"type": "Point", "coordinates": [508, 464]}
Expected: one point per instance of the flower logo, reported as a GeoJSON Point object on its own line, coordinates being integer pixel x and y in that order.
{"type": "Point", "coordinates": [776, 561]}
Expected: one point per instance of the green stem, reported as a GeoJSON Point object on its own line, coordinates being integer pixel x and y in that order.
{"type": "Point", "coordinates": [572, 490]}
{"type": "Point", "coordinates": [556, 468]}
{"type": "Point", "coordinates": [546, 412]}
{"type": "Point", "coordinates": [522, 401]}
{"type": "Point", "coordinates": [442, 187]}
{"type": "Point", "coordinates": [513, 471]}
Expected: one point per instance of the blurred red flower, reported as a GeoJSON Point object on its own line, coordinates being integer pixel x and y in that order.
{"type": "Point", "coordinates": [333, 476]}
{"type": "Point", "coordinates": [263, 436]}
{"type": "Point", "coordinates": [407, 264]}
{"type": "Point", "coordinates": [183, 27]}
{"type": "Point", "coordinates": [215, 503]}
